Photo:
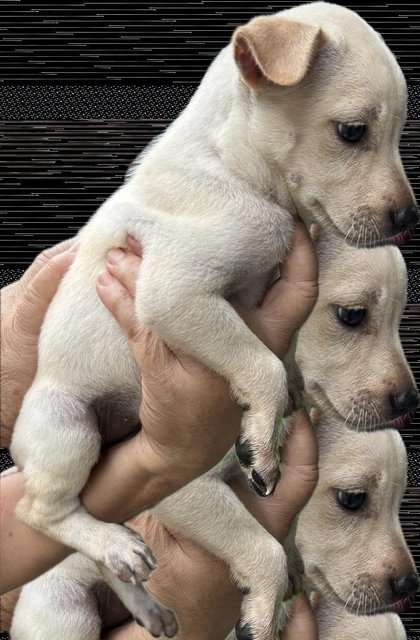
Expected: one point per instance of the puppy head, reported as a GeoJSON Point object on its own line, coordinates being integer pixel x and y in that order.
{"type": "Point", "coordinates": [349, 351]}
{"type": "Point", "coordinates": [349, 534]}
{"type": "Point", "coordinates": [327, 104]}
{"type": "Point", "coordinates": [335, 622]}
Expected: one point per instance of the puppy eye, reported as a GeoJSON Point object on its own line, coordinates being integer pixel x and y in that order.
{"type": "Point", "coordinates": [351, 316]}
{"type": "Point", "coordinates": [351, 132]}
{"type": "Point", "coordinates": [351, 501]}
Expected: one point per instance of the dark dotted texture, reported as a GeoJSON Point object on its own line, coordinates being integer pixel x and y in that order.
{"type": "Point", "coordinates": [74, 102]}
{"type": "Point", "coordinates": [85, 85]}
{"type": "Point", "coordinates": [140, 42]}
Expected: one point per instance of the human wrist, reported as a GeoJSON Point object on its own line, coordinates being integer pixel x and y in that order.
{"type": "Point", "coordinates": [125, 482]}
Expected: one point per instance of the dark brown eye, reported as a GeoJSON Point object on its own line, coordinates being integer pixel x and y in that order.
{"type": "Point", "coordinates": [351, 501]}
{"type": "Point", "coordinates": [351, 317]}
{"type": "Point", "coordinates": [351, 132]}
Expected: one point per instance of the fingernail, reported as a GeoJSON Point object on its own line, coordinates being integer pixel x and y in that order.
{"type": "Point", "coordinates": [135, 245]}
{"type": "Point", "coordinates": [115, 255]}
{"type": "Point", "coordinates": [105, 279]}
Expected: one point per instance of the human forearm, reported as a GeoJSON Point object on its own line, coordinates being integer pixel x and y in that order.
{"type": "Point", "coordinates": [27, 553]}
{"type": "Point", "coordinates": [24, 553]}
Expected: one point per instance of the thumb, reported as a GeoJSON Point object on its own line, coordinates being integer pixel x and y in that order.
{"type": "Point", "coordinates": [301, 623]}
{"type": "Point", "coordinates": [40, 291]}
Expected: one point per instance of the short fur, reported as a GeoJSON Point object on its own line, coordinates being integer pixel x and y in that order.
{"type": "Point", "coordinates": [221, 523]}
{"type": "Point", "coordinates": [213, 202]}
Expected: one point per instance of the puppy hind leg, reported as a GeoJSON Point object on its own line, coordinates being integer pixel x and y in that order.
{"type": "Point", "coordinates": [56, 442]}
{"type": "Point", "coordinates": [222, 525]}
{"type": "Point", "coordinates": [210, 329]}
{"type": "Point", "coordinates": [60, 604]}
{"type": "Point", "coordinates": [144, 607]}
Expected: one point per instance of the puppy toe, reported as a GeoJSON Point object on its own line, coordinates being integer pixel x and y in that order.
{"type": "Point", "coordinates": [243, 631]}
{"type": "Point", "coordinates": [264, 485]}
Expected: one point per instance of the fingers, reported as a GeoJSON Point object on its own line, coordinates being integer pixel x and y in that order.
{"type": "Point", "coordinates": [290, 299]}
{"type": "Point", "coordinates": [124, 265]}
{"type": "Point", "coordinates": [118, 299]}
{"type": "Point", "coordinates": [299, 465]}
{"type": "Point", "coordinates": [39, 292]}
{"type": "Point", "coordinates": [301, 265]}
{"type": "Point", "coordinates": [44, 257]}
{"type": "Point", "coordinates": [299, 272]}
{"type": "Point", "coordinates": [300, 448]}
{"type": "Point", "coordinates": [116, 288]}
{"type": "Point", "coordinates": [301, 623]}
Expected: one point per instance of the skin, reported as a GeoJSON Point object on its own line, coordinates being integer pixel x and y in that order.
{"type": "Point", "coordinates": [157, 450]}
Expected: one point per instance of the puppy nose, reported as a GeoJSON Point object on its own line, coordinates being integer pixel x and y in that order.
{"type": "Point", "coordinates": [405, 218]}
{"type": "Point", "coordinates": [405, 401]}
{"type": "Point", "coordinates": [405, 585]}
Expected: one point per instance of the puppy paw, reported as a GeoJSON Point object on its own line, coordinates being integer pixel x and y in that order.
{"type": "Point", "coordinates": [261, 469]}
{"type": "Point", "coordinates": [158, 620]}
{"type": "Point", "coordinates": [128, 557]}
{"type": "Point", "coordinates": [244, 631]}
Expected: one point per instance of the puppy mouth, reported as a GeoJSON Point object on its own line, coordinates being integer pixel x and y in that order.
{"type": "Point", "coordinates": [402, 421]}
{"type": "Point", "coordinates": [402, 606]}
{"type": "Point", "coordinates": [402, 238]}
{"type": "Point", "coordinates": [321, 399]}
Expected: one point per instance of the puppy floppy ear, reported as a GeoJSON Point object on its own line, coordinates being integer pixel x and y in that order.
{"type": "Point", "coordinates": [274, 48]}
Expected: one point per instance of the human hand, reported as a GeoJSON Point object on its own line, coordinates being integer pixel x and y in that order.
{"type": "Point", "coordinates": [188, 418]}
{"type": "Point", "coordinates": [196, 585]}
{"type": "Point", "coordinates": [23, 306]}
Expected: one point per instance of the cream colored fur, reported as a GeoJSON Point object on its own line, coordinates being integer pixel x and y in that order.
{"type": "Point", "coordinates": [222, 525]}
{"type": "Point", "coordinates": [213, 202]}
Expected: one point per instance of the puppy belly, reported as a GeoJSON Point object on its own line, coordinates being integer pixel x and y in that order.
{"type": "Point", "coordinates": [118, 415]}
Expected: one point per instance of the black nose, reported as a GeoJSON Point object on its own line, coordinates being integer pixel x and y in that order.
{"type": "Point", "coordinates": [405, 218]}
{"type": "Point", "coordinates": [404, 402]}
{"type": "Point", "coordinates": [405, 585]}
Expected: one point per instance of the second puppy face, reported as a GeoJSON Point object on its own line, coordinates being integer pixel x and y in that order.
{"type": "Point", "coordinates": [349, 350]}
{"type": "Point", "coordinates": [349, 533]}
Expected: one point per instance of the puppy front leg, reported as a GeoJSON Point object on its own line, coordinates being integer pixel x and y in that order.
{"type": "Point", "coordinates": [206, 326]}
{"type": "Point", "coordinates": [222, 525]}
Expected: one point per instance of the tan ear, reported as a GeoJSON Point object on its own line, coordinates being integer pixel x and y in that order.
{"type": "Point", "coordinates": [274, 48]}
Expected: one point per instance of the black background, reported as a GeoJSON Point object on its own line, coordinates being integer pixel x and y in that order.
{"type": "Point", "coordinates": [84, 86]}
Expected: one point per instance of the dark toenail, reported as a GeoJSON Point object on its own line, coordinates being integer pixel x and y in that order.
{"type": "Point", "coordinates": [259, 483]}
{"type": "Point", "coordinates": [245, 591]}
{"type": "Point", "coordinates": [243, 632]}
{"type": "Point", "coordinates": [245, 406]}
{"type": "Point", "coordinates": [244, 452]}
{"type": "Point", "coordinates": [139, 622]}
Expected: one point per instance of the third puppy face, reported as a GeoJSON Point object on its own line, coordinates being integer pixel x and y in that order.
{"type": "Point", "coordinates": [358, 557]}
{"type": "Point", "coordinates": [349, 350]}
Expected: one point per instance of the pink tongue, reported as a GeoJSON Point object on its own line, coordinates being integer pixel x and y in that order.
{"type": "Point", "coordinates": [402, 605]}
{"type": "Point", "coordinates": [403, 237]}
{"type": "Point", "coordinates": [402, 421]}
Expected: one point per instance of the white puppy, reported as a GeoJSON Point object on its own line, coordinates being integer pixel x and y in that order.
{"type": "Point", "coordinates": [221, 523]}
{"type": "Point", "coordinates": [301, 113]}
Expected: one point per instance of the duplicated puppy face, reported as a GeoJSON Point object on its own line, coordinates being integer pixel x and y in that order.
{"type": "Point", "coordinates": [327, 107]}
{"type": "Point", "coordinates": [335, 622]}
{"type": "Point", "coordinates": [349, 533]}
{"type": "Point", "coordinates": [349, 350]}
